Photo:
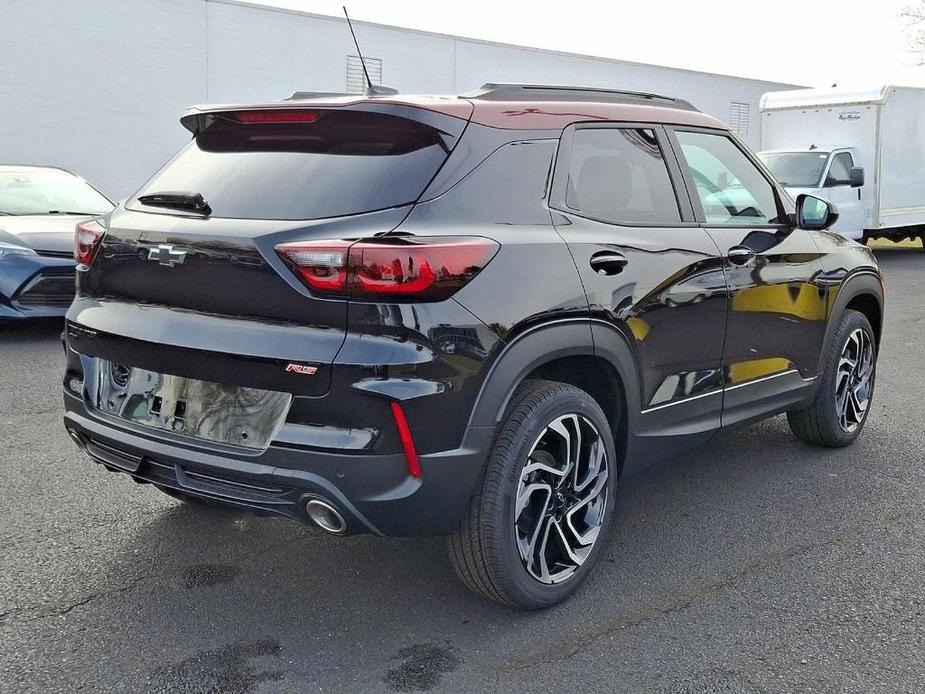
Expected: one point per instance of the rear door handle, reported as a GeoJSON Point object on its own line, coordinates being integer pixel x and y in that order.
{"type": "Point", "coordinates": [740, 255]}
{"type": "Point", "coordinates": [608, 262]}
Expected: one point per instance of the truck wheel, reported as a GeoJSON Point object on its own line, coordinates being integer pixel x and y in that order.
{"type": "Point", "coordinates": [839, 410]}
{"type": "Point", "coordinates": [539, 519]}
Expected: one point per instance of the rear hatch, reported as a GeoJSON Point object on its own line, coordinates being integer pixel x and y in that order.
{"type": "Point", "coordinates": [173, 279]}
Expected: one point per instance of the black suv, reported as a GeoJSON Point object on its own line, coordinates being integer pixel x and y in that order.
{"type": "Point", "coordinates": [459, 315]}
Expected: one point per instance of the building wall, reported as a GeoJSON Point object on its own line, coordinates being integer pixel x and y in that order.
{"type": "Point", "coordinates": [96, 86]}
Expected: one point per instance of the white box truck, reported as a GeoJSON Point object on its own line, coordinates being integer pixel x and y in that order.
{"type": "Point", "coordinates": [864, 150]}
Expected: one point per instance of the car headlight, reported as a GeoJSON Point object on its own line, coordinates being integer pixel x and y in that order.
{"type": "Point", "coordinates": [11, 249]}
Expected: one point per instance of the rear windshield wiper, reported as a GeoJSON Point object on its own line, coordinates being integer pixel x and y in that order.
{"type": "Point", "coordinates": [193, 202]}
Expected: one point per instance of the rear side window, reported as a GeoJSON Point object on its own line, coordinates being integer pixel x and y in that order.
{"type": "Point", "coordinates": [329, 164]}
{"type": "Point", "coordinates": [619, 175]}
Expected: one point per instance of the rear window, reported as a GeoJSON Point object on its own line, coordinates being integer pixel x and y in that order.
{"type": "Point", "coordinates": [329, 165]}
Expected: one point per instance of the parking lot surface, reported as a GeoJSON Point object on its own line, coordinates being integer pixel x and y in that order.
{"type": "Point", "coordinates": [756, 564]}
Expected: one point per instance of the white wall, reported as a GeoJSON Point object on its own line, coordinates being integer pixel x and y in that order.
{"type": "Point", "coordinates": [96, 86]}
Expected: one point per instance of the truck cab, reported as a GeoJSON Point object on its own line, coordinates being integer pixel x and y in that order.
{"type": "Point", "coordinates": [832, 173]}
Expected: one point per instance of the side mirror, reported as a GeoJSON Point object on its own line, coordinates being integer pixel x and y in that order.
{"type": "Point", "coordinates": [815, 213]}
{"type": "Point", "coordinates": [857, 176]}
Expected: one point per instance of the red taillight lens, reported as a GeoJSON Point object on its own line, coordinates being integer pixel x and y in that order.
{"type": "Point", "coordinates": [87, 237]}
{"type": "Point", "coordinates": [421, 268]}
{"type": "Point", "coordinates": [426, 268]}
{"type": "Point", "coordinates": [276, 116]}
{"type": "Point", "coordinates": [322, 265]}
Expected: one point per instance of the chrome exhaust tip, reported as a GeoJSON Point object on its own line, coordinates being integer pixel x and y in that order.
{"type": "Point", "coordinates": [77, 439]}
{"type": "Point", "coordinates": [326, 516]}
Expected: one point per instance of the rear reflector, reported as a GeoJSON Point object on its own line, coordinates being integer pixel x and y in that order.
{"type": "Point", "coordinates": [407, 443]}
{"type": "Point", "coordinates": [420, 268]}
{"type": "Point", "coordinates": [276, 116]}
{"type": "Point", "coordinates": [87, 237]}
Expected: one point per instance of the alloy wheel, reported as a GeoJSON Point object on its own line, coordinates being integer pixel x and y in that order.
{"type": "Point", "coordinates": [854, 380]}
{"type": "Point", "coordinates": [561, 499]}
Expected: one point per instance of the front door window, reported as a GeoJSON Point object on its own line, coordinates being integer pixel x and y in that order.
{"type": "Point", "coordinates": [731, 189]}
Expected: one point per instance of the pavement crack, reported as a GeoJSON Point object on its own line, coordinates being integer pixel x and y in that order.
{"type": "Point", "coordinates": [563, 651]}
{"type": "Point", "coordinates": [9, 618]}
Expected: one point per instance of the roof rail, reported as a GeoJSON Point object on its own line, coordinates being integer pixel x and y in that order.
{"type": "Point", "coordinates": [551, 92]}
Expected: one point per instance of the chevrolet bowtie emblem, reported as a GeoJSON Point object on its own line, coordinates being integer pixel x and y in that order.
{"type": "Point", "coordinates": [165, 254]}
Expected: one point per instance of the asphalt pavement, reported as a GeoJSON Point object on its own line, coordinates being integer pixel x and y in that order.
{"type": "Point", "coordinates": [756, 564]}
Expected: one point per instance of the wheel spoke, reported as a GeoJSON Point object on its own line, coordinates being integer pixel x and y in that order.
{"type": "Point", "coordinates": [859, 406]}
{"type": "Point", "coordinates": [581, 507]}
{"type": "Point", "coordinates": [577, 557]}
{"type": "Point", "coordinates": [527, 493]}
{"type": "Point", "coordinates": [534, 466]}
{"type": "Point", "coordinates": [538, 551]}
{"type": "Point", "coordinates": [596, 455]}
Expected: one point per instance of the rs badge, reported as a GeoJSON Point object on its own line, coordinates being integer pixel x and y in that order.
{"type": "Point", "coordinates": [302, 369]}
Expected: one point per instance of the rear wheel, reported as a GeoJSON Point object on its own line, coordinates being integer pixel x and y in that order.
{"type": "Point", "coordinates": [536, 526]}
{"type": "Point", "coordinates": [839, 410]}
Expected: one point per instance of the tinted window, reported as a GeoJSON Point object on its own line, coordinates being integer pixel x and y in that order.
{"type": "Point", "coordinates": [731, 189]}
{"type": "Point", "coordinates": [342, 163]}
{"type": "Point", "coordinates": [40, 191]}
{"type": "Point", "coordinates": [840, 170]}
{"type": "Point", "coordinates": [619, 175]}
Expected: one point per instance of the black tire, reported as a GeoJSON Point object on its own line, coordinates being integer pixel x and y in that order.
{"type": "Point", "coordinates": [819, 423]}
{"type": "Point", "coordinates": [484, 549]}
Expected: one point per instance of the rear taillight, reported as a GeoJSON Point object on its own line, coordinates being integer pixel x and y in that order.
{"type": "Point", "coordinates": [322, 265]}
{"type": "Point", "coordinates": [87, 237]}
{"type": "Point", "coordinates": [420, 268]}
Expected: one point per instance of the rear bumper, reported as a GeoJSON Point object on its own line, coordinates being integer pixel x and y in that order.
{"type": "Point", "coordinates": [374, 493]}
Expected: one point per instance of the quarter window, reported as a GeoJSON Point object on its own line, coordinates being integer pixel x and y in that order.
{"type": "Point", "coordinates": [732, 190]}
{"type": "Point", "coordinates": [619, 175]}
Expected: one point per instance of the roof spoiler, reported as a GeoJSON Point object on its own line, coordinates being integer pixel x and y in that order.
{"type": "Point", "coordinates": [374, 90]}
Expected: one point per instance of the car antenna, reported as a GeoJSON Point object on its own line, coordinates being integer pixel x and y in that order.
{"type": "Point", "coordinates": [371, 89]}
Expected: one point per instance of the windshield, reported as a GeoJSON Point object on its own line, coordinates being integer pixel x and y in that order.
{"type": "Point", "coordinates": [796, 169]}
{"type": "Point", "coordinates": [320, 164]}
{"type": "Point", "coordinates": [48, 191]}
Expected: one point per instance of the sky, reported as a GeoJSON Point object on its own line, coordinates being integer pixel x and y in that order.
{"type": "Point", "coordinates": [816, 43]}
